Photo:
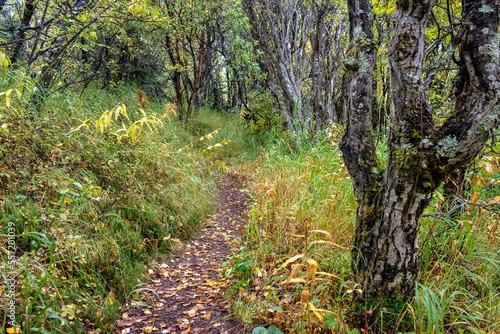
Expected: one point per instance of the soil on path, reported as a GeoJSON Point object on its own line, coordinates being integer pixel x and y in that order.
{"type": "Point", "coordinates": [190, 286]}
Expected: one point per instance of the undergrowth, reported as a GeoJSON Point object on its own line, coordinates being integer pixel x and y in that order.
{"type": "Point", "coordinates": [97, 186]}
{"type": "Point", "coordinates": [294, 270]}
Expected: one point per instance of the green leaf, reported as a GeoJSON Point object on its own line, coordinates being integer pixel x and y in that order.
{"type": "Point", "coordinates": [259, 330]}
{"type": "Point", "coordinates": [274, 330]}
{"type": "Point", "coordinates": [20, 198]}
{"type": "Point", "coordinates": [331, 323]}
{"type": "Point", "coordinates": [354, 331]}
{"type": "Point", "coordinates": [277, 309]}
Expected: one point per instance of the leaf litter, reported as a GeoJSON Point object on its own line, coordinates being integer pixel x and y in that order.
{"type": "Point", "coordinates": [189, 290]}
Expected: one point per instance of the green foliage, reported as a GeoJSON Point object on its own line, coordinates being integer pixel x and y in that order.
{"type": "Point", "coordinates": [331, 323]}
{"type": "Point", "coordinates": [270, 330]}
{"type": "Point", "coordinates": [458, 287]}
{"type": "Point", "coordinates": [93, 208]}
{"type": "Point", "coordinates": [262, 114]}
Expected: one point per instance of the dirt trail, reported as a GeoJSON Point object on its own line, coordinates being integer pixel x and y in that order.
{"type": "Point", "coordinates": [189, 285]}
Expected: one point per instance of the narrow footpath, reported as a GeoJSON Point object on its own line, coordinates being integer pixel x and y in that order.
{"type": "Point", "coordinates": [190, 286]}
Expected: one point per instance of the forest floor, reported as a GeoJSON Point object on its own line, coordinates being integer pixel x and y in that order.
{"type": "Point", "coordinates": [186, 293]}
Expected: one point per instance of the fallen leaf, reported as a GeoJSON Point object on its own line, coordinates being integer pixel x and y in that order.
{"type": "Point", "coordinates": [494, 200]}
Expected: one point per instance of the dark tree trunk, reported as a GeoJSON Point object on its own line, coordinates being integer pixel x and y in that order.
{"type": "Point", "coordinates": [194, 93]}
{"type": "Point", "coordinates": [360, 158]}
{"type": "Point", "coordinates": [29, 11]}
{"type": "Point", "coordinates": [320, 115]}
{"type": "Point", "coordinates": [420, 154]}
{"type": "Point", "coordinates": [178, 80]}
{"type": "Point", "coordinates": [176, 63]}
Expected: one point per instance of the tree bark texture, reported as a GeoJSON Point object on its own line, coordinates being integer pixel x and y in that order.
{"type": "Point", "coordinates": [420, 152]}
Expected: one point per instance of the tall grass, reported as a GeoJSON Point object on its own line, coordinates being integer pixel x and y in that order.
{"type": "Point", "coordinates": [92, 213]}
{"type": "Point", "coordinates": [307, 188]}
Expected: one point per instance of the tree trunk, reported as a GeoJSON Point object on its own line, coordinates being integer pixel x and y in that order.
{"type": "Point", "coordinates": [194, 93]}
{"type": "Point", "coordinates": [29, 11]}
{"type": "Point", "coordinates": [420, 153]}
{"type": "Point", "coordinates": [360, 158]}
{"type": "Point", "coordinates": [178, 80]}
{"type": "Point", "coordinates": [318, 108]}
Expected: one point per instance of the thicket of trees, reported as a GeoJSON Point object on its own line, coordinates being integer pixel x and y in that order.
{"type": "Point", "coordinates": [425, 74]}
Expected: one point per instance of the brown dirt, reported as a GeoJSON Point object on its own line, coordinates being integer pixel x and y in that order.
{"type": "Point", "coordinates": [190, 286]}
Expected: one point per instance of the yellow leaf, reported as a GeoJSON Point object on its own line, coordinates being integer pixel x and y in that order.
{"type": "Point", "coordinates": [294, 280]}
{"type": "Point", "coordinates": [13, 330]}
{"type": "Point", "coordinates": [475, 196]}
{"type": "Point", "coordinates": [117, 112]}
{"type": "Point", "coordinates": [440, 196]}
{"type": "Point", "coordinates": [109, 116]}
{"type": "Point", "coordinates": [314, 266]}
{"type": "Point", "coordinates": [207, 315]}
{"type": "Point", "coordinates": [494, 200]}
{"type": "Point", "coordinates": [7, 101]}
{"type": "Point", "coordinates": [316, 312]}
{"type": "Point", "coordinates": [327, 274]}
{"type": "Point", "coordinates": [292, 259]}
{"type": "Point", "coordinates": [124, 109]}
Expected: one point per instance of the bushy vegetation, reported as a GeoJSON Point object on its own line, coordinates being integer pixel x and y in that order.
{"type": "Point", "coordinates": [99, 186]}
{"type": "Point", "coordinates": [295, 269]}
{"type": "Point", "coordinates": [114, 116]}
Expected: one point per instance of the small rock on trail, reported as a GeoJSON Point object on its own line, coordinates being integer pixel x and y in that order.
{"type": "Point", "coordinates": [189, 286]}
